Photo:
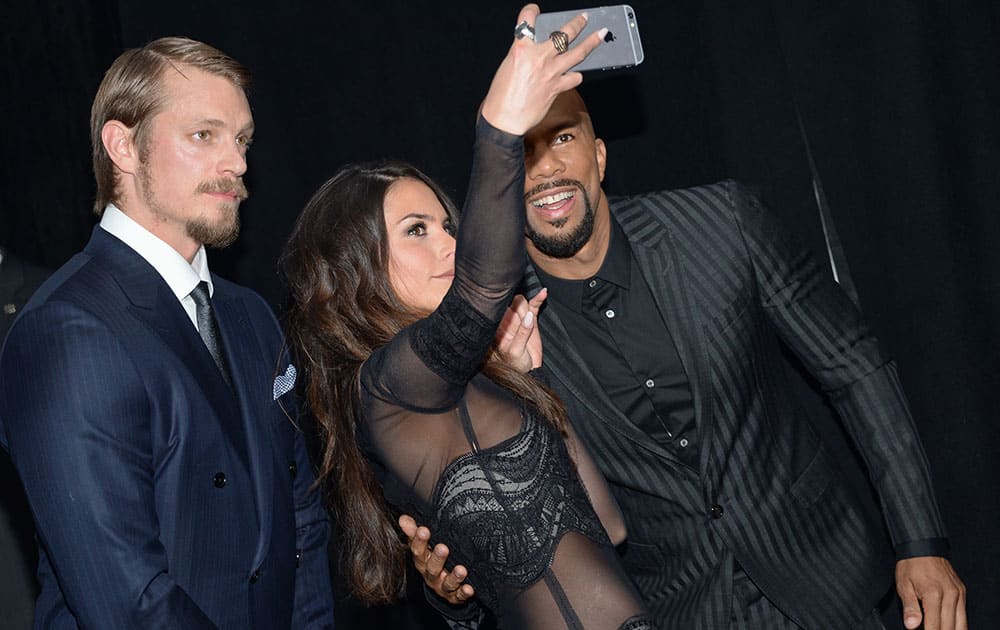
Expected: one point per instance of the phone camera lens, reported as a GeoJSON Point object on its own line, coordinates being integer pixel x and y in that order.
{"type": "Point", "coordinates": [631, 15]}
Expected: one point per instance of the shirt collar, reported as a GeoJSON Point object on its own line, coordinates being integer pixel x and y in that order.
{"type": "Point", "coordinates": [182, 277]}
{"type": "Point", "coordinates": [617, 262]}
{"type": "Point", "coordinates": [615, 269]}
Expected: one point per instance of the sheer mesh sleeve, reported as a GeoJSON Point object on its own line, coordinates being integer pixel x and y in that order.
{"type": "Point", "coordinates": [428, 364]}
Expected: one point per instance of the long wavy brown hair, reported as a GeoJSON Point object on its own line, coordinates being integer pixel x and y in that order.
{"type": "Point", "coordinates": [343, 309]}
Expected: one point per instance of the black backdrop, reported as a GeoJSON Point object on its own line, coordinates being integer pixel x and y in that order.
{"type": "Point", "coordinates": [898, 100]}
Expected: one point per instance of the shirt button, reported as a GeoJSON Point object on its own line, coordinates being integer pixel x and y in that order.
{"type": "Point", "coordinates": [592, 284]}
{"type": "Point", "coordinates": [255, 577]}
{"type": "Point", "coordinates": [684, 442]}
{"type": "Point", "coordinates": [609, 314]}
{"type": "Point", "coordinates": [649, 382]}
{"type": "Point", "coordinates": [219, 480]}
{"type": "Point", "coordinates": [292, 468]}
{"type": "Point", "coordinates": [716, 511]}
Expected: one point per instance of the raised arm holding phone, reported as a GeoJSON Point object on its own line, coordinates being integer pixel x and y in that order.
{"type": "Point", "coordinates": [419, 410]}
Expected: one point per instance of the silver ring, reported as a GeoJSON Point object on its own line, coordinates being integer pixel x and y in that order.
{"type": "Point", "coordinates": [560, 40]}
{"type": "Point", "coordinates": [523, 30]}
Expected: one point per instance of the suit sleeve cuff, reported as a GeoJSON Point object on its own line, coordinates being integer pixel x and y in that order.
{"type": "Point", "coordinates": [925, 547]}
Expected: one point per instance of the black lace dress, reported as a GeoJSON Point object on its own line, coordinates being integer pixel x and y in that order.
{"type": "Point", "coordinates": [492, 480]}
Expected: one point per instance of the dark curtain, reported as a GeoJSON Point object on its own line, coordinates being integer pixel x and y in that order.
{"type": "Point", "coordinates": [895, 101]}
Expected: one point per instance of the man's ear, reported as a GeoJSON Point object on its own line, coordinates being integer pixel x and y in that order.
{"type": "Point", "coordinates": [601, 152]}
{"type": "Point", "coordinates": [119, 142]}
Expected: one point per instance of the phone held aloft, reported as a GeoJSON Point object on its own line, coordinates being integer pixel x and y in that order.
{"type": "Point", "coordinates": [621, 47]}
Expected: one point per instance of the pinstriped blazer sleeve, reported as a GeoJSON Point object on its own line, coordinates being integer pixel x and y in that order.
{"type": "Point", "coordinates": [827, 332]}
{"type": "Point", "coordinates": [75, 415]}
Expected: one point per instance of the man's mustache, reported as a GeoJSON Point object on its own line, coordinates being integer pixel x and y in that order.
{"type": "Point", "coordinates": [225, 185]}
{"type": "Point", "coordinates": [556, 183]}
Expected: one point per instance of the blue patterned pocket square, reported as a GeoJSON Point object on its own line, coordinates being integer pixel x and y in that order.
{"type": "Point", "coordinates": [285, 382]}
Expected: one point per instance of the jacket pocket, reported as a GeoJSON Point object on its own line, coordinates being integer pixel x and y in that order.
{"type": "Point", "coordinates": [814, 480]}
{"type": "Point", "coordinates": [642, 557]}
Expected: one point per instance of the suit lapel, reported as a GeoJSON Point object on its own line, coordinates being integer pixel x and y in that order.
{"type": "Point", "coordinates": [153, 303]}
{"type": "Point", "coordinates": [563, 360]}
{"type": "Point", "coordinates": [246, 369]}
{"type": "Point", "coordinates": [663, 266]}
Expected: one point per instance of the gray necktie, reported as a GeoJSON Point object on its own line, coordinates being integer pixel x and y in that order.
{"type": "Point", "coordinates": [208, 328]}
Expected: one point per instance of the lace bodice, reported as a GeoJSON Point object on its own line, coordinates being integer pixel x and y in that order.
{"type": "Point", "coordinates": [494, 482]}
{"type": "Point", "coordinates": [510, 505]}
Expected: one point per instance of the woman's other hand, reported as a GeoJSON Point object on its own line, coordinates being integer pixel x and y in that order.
{"type": "Point", "coordinates": [517, 340]}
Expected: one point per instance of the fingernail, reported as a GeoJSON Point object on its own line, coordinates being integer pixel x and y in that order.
{"type": "Point", "coordinates": [603, 32]}
{"type": "Point", "coordinates": [528, 318]}
{"type": "Point", "coordinates": [585, 15]}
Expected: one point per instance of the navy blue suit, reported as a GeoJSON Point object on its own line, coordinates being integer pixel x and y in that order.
{"type": "Point", "coordinates": [162, 497]}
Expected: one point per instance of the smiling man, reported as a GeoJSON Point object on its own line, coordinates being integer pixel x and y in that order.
{"type": "Point", "coordinates": [662, 331]}
{"type": "Point", "coordinates": [662, 334]}
{"type": "Point", "coordinates": [139, 401]}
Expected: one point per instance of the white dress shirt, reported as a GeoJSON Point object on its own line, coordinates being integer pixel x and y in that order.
{"type": "Point", "coordinates": [182, 277]}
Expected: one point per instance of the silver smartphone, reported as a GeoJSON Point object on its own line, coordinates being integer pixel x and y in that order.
{"type": "Point", "coordinates": [621, 47]}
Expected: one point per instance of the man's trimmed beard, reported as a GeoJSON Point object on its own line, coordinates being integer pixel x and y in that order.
{"type": "Point", "coordinates": [568, 244]}
{"type": "Point", "coordinates": [219, 234]}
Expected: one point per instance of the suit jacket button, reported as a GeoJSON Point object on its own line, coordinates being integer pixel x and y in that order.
{"type": "Point", "coordinates": [715, 511]}
{"type": "Point", "coordinates": [255, 577]}
{"type": "Point", "coordinates": [219, 480]}
{"type": "Point", "coordinates": [292, 468]}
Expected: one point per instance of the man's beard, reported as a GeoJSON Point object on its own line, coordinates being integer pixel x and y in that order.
{"type": "Point", "coordinates": [221, 233]}
{"type": "Point", "coordinates": [568, 244]}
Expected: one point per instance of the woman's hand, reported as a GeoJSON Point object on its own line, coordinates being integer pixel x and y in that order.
{"type": "Point", "coordinates": [448, 585]}
{"type": "Point", "coordinates": [533, 74]}
{"type": "Point", "coordinates": [517, 338]}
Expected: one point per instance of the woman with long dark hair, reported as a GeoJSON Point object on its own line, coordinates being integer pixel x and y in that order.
{"type": "Point", "coordinates": [394, 321]}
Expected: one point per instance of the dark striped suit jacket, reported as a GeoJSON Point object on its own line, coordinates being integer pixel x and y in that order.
{"type": "Point", "coordinates": [731, 287]}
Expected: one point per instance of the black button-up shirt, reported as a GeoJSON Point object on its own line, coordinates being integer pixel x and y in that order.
{"type": "Point", "coordinates": [615, 324]}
